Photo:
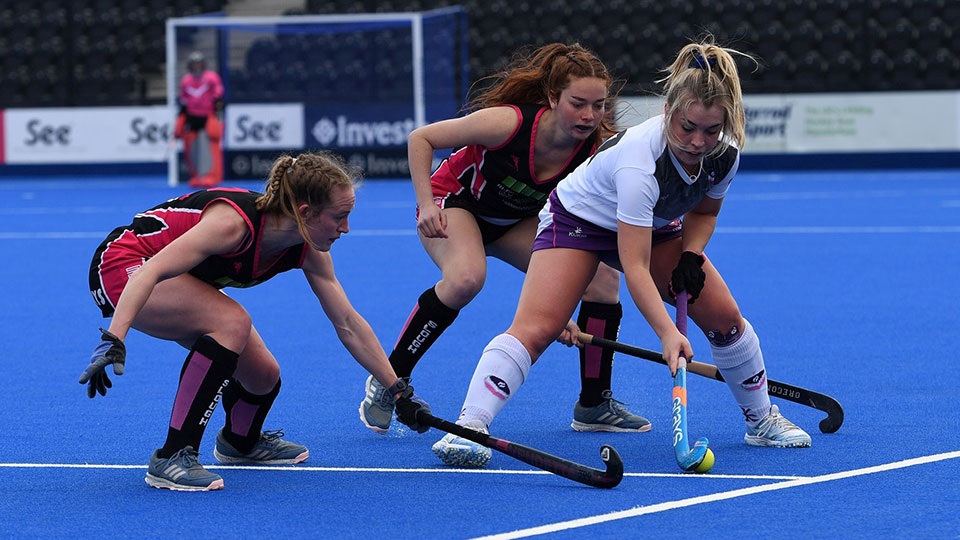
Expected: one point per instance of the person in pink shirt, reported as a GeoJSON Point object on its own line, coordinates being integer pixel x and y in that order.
{"type": "Point", "coordinates": [201, 99]}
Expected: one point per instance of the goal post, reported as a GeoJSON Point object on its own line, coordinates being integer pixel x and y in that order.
{"type": "Point", "coordinates": [355, 84]}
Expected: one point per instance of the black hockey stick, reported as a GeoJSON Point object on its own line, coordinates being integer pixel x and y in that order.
{"type": "Point", "coordinates": [789, 392]}
{"type": "Point", "coordinates": [541, 460]}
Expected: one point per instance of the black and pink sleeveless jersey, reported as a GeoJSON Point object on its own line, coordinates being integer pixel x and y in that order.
{"type": "Point", "coordinates": [502, 178]}
{"type": "Point", "coordinates": [152, 230]}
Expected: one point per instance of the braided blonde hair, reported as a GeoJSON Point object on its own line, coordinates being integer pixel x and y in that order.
{"type": "Point", "coordinates": [706, 73]}
{"type": "Point", "coordinates": [306, 179]}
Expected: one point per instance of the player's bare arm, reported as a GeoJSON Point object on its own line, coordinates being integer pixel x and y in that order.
{"type": "Point", "coordinates": [352, 329]}
{"type": "Point", "coordinates": [488, 127]}
{"type": "Point", "coordinates": [634, 246]}
{"type": "Point", "coordinates": [699, 224]}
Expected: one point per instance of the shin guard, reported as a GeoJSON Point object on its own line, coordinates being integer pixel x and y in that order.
{"type": "Point", "coordinates": [245, 414]}
{"type": "Point", "coordinates": [427, 321]}
{"type": "Point", "coordinates": [596, 363]}
{"type": "Point", "coordinates": [206, 372]}
{"type": "Point", "coordinates": [502, 368]}
{"type": "Point", "coordinates": [740, 361]}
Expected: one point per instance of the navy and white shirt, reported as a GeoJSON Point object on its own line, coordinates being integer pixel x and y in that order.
{"type": "Point", "coordinates": [635, 178]}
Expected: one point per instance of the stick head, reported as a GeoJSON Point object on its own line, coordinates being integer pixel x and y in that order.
{"type": "Point", "coordinates": [614, 464]}
{"type": "Point", "coordinates": [833, 421]}
{"type": "Point", "coordinates": [696, 456]}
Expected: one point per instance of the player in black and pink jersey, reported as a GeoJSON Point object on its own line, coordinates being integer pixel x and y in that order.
{"type": "Point", "coordinates": [531, 126]}
{"type": "Point", "coordinates": [163, 276]}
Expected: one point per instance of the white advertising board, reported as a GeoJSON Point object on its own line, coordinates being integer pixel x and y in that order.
{"type": "Point", "coordinates": [835, 123]}
{"type": "Point", "coordinates": [264, 126]}
{"type": "Point", "coordinates": [87, 135]}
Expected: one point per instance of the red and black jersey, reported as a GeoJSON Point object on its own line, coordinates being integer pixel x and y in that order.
{"type": "Point", "coordinates": [154, 229]}
{"type": "Point", "coordinates": [502, 178]}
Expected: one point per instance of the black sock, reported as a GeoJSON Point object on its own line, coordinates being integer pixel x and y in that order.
{"type": "Point", "coordinates": [245, 414]}
{"type": "Point", "coordinates": [205, 373]}
{"type": "Point", "coordinates": [425, 324]}
{"type": "Point", "coordinates": [596, 363]}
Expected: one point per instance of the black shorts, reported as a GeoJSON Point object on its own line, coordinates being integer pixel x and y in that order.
{"type": "Point", "coordinates": [489, 232]}
{"type": "Point", "coordinates": [196, 123]}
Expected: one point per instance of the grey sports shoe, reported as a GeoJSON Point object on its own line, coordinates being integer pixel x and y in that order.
{"type": "Point", "coordinates": [459, 452]}
{"type": "Point", "coordinates": [376, 409]}
{"type": "Point", "coordinates": [181, 472]}
{"type": "Point", "coordinates": [269, 450]}
{"type": "Point", "coordinates": [775, 430]}
{"type": "Point", "coordinates": [610, 415]}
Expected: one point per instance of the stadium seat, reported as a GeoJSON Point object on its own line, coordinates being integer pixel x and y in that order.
{"type": "Point", "coordinates": [866, 45]}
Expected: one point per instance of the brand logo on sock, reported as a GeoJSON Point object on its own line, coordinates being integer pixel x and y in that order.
{"type": "Point", "coordinates": [756, 382]}
{"type": "Point", "coordinates": [497, 386]}
{"type": "Point", "coordinates": [213, 404]}
{"type": "Point", "coordinates": [422, 337]}
{"type": "Point", "coordinates": [750, 415]}
{"type": "Point", "coordinates": [720, 339]}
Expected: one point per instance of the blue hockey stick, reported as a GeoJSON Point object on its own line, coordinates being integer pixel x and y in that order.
{"type": "Point", "coordinates": [688, 458]}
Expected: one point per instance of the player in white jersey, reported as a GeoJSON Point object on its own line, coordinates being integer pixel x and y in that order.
{"type": "Point", "coordinates": [646, 203]}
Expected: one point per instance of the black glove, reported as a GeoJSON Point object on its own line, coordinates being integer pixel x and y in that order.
{"type": "Point", "coordinates": [688, 275]}
{"type": "Point", "coordinates": [408, 404]}
{"type": "Point", "coordinates": [183, 109]}
{"type": "Point", "coordinates": [110, 351]}
{"type": "Point", "coordinates": [218, 105]}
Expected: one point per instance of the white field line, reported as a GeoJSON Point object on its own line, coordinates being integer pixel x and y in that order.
{"type": "Point", "coordinates": [949, 229]}
{"type": "Point", "coordinates": [301, 469]}
{"type": "Point", "coordinates": [722, 496]}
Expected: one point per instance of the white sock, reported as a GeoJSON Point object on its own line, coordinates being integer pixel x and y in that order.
{"type": "Point", "coordinates": [502, 369]}
{"type": "Point", "coordinates": [741, 365]}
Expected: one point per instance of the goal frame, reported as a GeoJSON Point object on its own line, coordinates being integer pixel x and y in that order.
{"type": "Point", "coordinates": [415, 19]}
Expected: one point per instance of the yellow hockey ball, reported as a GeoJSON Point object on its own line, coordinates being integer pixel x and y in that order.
{"type": "Point", "coordinates": [706, 464]}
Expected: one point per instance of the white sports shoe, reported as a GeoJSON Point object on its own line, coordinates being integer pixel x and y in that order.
{"type": "Point", "coordinates": [775, 430]}
{"type": "Point", "coordinates": [459, 452]}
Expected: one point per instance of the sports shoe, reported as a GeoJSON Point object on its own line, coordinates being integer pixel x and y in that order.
{"type": "Point", "coordinates": [610, 415]}
{"type": "Point", "coordinates": [269, 450]}
{"type": "Point", "coordinates": [181, 472]}
{"type": "Point", "coordinates": [459, 452]}
{"type": "Point", "coordinates": [376, 409]}
{"type": "Point", "coordinates": [775, 430]}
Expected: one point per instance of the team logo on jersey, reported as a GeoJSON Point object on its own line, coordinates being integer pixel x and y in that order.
{"type": "Point", "coordinates": [756, 382]}
{"type": "Point", "coordinates": [497, 386]}
{"type": "Point", "coordinates": [577, 233]}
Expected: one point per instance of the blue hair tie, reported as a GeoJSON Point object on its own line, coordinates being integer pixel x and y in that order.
{"type": "Point", "coordinates": [699, 62]}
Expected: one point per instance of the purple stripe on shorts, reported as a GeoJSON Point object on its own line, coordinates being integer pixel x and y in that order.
{"type": "Point", "coordinates": [241, 417]}
{"type": "Point", "coordinates": [193, 376]}
{"type": "Point", "coordinates": [593, 353]}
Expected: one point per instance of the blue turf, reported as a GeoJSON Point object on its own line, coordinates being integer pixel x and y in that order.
{"type": "Point", "coordinates": [866, 313]}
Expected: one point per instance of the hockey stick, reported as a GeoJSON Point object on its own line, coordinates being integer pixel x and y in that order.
{"type": "Point", "coordinates": [789, 392]}
{"type": "Point", "coordinates": [541, 460]}
{"type": "Point", "coordinates": [688, 458]}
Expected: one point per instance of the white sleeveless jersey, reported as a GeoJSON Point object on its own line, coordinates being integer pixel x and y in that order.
{"type": "Point", "coordinates": [633, 177]}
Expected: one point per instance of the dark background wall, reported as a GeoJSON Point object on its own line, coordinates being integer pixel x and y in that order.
{"type": "Point", "coordinates": [107, 52]}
